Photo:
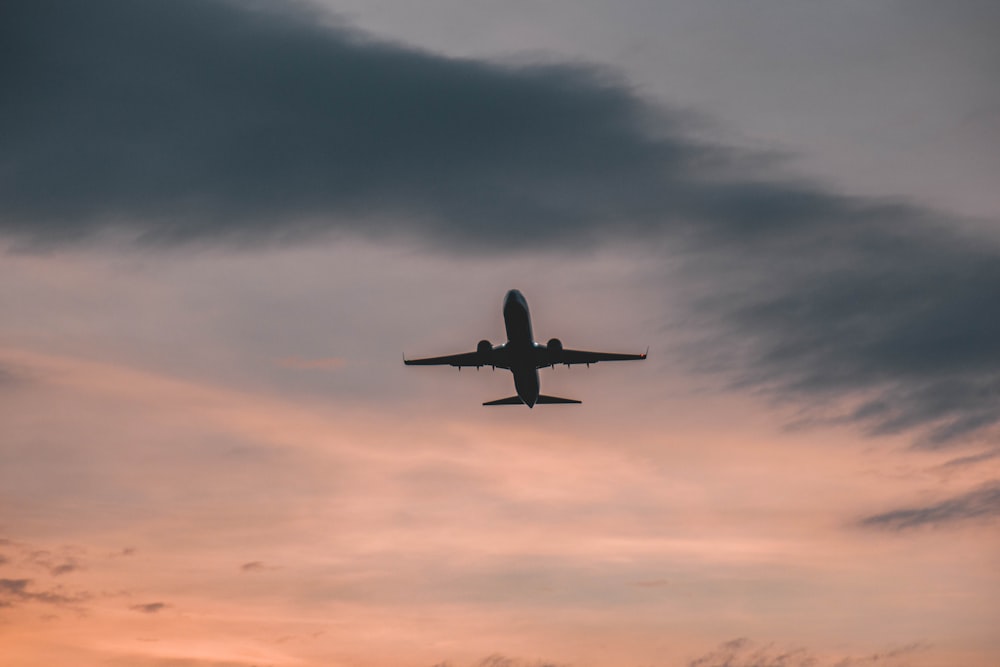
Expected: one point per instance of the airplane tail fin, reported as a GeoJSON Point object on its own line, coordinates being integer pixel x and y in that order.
{"type": "Point", "coordinates": [555, 399]}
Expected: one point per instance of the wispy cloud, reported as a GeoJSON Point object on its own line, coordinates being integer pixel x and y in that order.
{"type": "Point", "coordinates": [60, 561]}
{"type": "Point", "coordinates": [980, 503]}
{"type": "Point", "coordinates": [14, 591]}
{"type": "Point", "coordinates": [743, 652]}
{"type": "Point", "coordinates": [963, 461]}
{"type": "Point", "coordinates": [149, 607]}
{"type": "Point", "coordinates": [9, 377]}
{"type": "Point", "coordinates": [55, 564]}
{"type": "Point", "coordinates": [501, 660]}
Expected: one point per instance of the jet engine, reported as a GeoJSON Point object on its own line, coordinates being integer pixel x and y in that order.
{"type": "Point", "coordinates": [484, 349]}
{"type": "Point", "coordinates": [555, 348]}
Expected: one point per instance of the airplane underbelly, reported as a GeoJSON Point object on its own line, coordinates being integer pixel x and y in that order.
{"type": "Point", "coordinates": [526, 383]}
{"type": "Point", "coordinates": [518, 325]}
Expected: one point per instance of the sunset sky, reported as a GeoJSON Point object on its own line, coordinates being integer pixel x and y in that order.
{"type": "Point", "coordinates": [224, 223]}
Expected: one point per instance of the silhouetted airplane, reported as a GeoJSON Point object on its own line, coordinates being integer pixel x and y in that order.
{"type": "Point", "coordinates": [522, 356]}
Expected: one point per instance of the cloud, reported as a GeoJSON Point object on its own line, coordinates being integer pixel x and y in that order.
{"type": "Point", "coordinates": [973, 459]}
{"type": "Point", "coordinates": [501, 660]}
{"type": "Point", "coordinates": [897, 313]}
{"type": "Point", "coordinates": [254, 566]}
{"type": "Point", "coordinates": [980, 503]}
{"type": "Point", "coordinates": [208, 121]}
{"type": "Point", "coordinates": [19, 590]}
{"type": "Point", "coordinates": [9, 377]}
{"type": "Point", "coordinates": [135, 116]}
{"type": "Point", "coordinates": [67, 559]}
{"type": "Point", "coordinates": [14, 591]}
{"type": "Point", "coordinates": [743, 652]}
{"type": "Point", "coordinates": [55, 564]}
{"type": "Point", "coordinates": [137, 660]}
{"type": "Point", "coordinates": [149, 608]}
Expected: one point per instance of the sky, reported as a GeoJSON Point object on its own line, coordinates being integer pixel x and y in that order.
{"type": "Point", "coordinates": [224, 223]}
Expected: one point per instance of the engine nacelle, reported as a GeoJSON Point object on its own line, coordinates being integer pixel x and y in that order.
{"type": "Point", "coordinates": [484, 349]}
{"type": "Point", "coordinates": [555, 348]}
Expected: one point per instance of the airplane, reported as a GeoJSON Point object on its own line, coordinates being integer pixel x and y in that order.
{"type": "Point", "coordinates": [522, 356]}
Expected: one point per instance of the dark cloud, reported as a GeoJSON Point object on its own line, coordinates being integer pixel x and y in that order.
{"type": "Point", "coordinates": [67, 559]}
{"type": "Point", "coordinates": [64, 568]}
{"type": "Point", "coordinates": [9, 377]}
{"type": "Point", "coordinates": [980, 503]}
{"type": "Point", "coordinates": [149, 608]}
{"type": "Point", "coordinates": [898, 312]}
{"type": "Point", "coordinates": [256, 566]}
{"type": "Point", "coordinates": [743, 652]}
{"type": "Point", "coordinates": [202, 120]}
{"type": "Point", "coordinates": [14, 591]}
{"type": "Point", "coordinates": [54, 564]}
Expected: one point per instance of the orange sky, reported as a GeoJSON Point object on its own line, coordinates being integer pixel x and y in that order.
{"type": "Point", "coordinates": [256, 512]}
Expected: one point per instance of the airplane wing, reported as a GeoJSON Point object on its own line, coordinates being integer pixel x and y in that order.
{"type": "Point", "coordinates": [569, 357]}
{"type": "Point", "coordinates": [457, 360]}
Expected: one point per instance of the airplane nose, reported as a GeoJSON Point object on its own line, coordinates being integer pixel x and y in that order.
{"type": "Point", "coordinates": [513, 296]}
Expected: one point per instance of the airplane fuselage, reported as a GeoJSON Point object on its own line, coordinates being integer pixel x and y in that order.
{"type": "Point", "coordinates": [520, 347]}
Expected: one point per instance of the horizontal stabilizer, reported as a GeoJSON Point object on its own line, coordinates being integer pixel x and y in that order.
{"type": "Point", "coordinates": [513, 400]}
{"type": "Point", "coordinates": [516, 400]}
{"type": "Point", "coordinates": [555, 399]}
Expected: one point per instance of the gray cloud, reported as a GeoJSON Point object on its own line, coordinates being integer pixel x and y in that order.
{"type": "Point", "coordinates": [9, 377]}
{"type": "Point", "coordinates": [201, 120]}
{"type": "Point", "coordinates": [253, 566]}
{"type": "Point", "coordinates": [980, 503]}
{"type": "Point", "coordinates": [973, 459]}
{"type": "Point", "coordinates": [14, 591]}
{"type": "Point", "coordinates": [149, 608]}
{"type": "Point", "coordinates": [56, 565]}
{"type": "Point", "coordinates": [898, 313]}
{"type": "Point", "coordinates": [743, 652]}
{"type": "Point", "coordinates": [136, 660]}
{"type": "Point", "coordinates": [198, 119]}
{"type": "Point", "coordinates": [137, 115]}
